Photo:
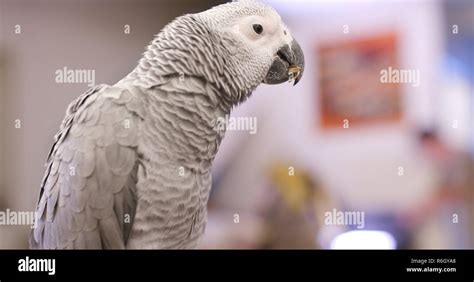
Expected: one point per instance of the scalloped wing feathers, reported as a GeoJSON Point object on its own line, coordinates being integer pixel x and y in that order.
{"type": "Point", "coordinates": [88, 196]}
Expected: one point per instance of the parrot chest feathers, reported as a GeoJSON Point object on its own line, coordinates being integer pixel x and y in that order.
{"type": "Point", "coordinates": [176, 148]}
{"type": "Point", "coordinates": [171, 210]}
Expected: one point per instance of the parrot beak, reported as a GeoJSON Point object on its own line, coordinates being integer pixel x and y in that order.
{"type": "Point", "coordinates": [287, 65]}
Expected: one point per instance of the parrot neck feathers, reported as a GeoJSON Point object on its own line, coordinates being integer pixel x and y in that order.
{"type": "Point", "coordinates": [188, 48]}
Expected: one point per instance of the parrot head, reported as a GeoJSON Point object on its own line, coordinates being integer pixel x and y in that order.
{"type": "Point", "coordinates": [258, 41]}
{"type": "Point", "coordinates": [235, 46]}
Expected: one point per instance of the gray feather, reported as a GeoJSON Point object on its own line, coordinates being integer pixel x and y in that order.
{"type": "Point", "coordinates": [76, 208]}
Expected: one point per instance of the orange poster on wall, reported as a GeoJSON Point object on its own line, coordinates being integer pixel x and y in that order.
{"type": "Point", "coordinates": [351, 88]}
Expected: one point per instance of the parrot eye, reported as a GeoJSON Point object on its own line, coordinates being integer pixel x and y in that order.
{"type": "Point", "coordinates": [258, 28]}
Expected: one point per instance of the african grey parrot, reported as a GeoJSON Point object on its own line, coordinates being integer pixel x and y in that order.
{"type": "Point", "coordinates": [131, 163]}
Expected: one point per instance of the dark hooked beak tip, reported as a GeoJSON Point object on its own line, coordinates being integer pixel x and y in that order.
{"type": "Point", "coordinates": [297, 80]}
{"type": "Point", "coordinates": [288, 65]}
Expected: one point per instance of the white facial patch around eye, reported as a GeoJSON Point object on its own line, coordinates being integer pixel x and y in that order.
{"type": "Point", "coordinates": [268, 41]}
{"type": "Point", "coordinates": [252, 27]}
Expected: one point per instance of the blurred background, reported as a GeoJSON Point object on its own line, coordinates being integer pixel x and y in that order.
{"type": "Point", "coordinates": [374, 147]}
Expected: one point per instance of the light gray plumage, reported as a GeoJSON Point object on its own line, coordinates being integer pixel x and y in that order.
{"type": "Point", "coordinates": [131, 164]}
